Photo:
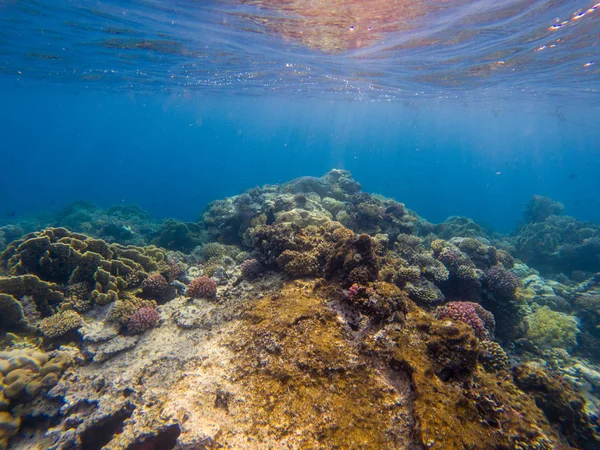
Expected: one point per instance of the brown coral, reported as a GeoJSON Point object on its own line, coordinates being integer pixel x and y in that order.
{"type": "Point", "coordinates": [60, 324]}
{"type": "Point", "coordinates": [143, 319]}
{"type": "Point", "coordinates": [202, 287]}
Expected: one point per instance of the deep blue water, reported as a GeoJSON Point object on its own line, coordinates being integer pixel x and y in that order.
{"type": "Point", "coordinates": [76, 123]}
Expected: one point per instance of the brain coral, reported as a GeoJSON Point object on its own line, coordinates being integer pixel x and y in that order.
{"type": "Point", "coordinates": [202, 287]}
{"type": "Point", "coordinates": [141, 320]}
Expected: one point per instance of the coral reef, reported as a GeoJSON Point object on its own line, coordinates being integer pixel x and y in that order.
{"type": "Point", "coordinates": [176, 235]}
{"type": "Point", "coordinates": [456, 226]}
{"type": "Point", "coordinates": [539, 208]}
{"type": "Point", "coordinates": [561, 405]}
{"type": "Point", "coordinates": [125, 224]}
{"type": "Point", "coordinates": [45, 264]}
{"type": "Point", "coordinates": [343, 320]}
{"type": "Point", "coordinates": [558, 244]}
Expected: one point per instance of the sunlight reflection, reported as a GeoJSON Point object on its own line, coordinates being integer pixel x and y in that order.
{"type": "Point", "coordinates": [341, 25]}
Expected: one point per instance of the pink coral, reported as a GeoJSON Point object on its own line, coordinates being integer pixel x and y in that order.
{"type": "Point", "coordinates": [469, 313]}
{"type": "Point", "coordinates": [142, 319]}
{"type": "Point", "coordinates": [202, 287]}
{"type": "Point", "coordinates": [353, 291]}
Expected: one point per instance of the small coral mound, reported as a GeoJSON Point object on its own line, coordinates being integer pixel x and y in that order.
{"type": "Point", "coordinates": [156, 287]}
{"type": "Point", "coordinates": [539, 208]}
{"type": "Point", "coordinates": [468, 312]}
{"type": "Point", "coordinates": [380, 301]}
{"type": "Point", "coordinates": [142, 320]}
{"type": "Point", "coordinates": [501, 282]}
{"type": "Point", "coordinates": [492, 356]}
{"type": "Point", "coordinates": [202, 287]}
{"type": "Point", "coordinates": [251, 269]}
{"type": "Point", "coordinates": [60, 324]}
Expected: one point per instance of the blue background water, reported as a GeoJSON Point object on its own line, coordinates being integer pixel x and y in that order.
{"type": "Point", "coordinates": [479, 148]}
{"type": "Point", "coordinates": [171, 155]}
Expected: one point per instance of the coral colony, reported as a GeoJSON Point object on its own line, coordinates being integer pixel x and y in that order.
{"type": "Point", "coordinates": [305, 315]}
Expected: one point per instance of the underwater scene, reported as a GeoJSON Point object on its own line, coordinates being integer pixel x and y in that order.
{"type": "Point", "coordinates": [299, 224]}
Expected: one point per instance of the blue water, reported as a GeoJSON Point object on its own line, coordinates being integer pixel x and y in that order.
{"type": "Point", "coordinates": [465, 110]}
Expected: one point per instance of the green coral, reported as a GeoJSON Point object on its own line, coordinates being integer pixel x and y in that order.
{"type": "Point", "coordinates": [552, 329]}
{"type": "Point", "coordinates": [61, 270]}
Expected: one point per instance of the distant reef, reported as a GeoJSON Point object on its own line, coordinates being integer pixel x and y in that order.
{"type": "Point", "coordinates": [306, 315]}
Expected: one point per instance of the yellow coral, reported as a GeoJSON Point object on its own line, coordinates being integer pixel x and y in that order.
{"type": "Point", "coordinates": [60, 324]}
{"type": "Point", "coordinates": [552, 329]}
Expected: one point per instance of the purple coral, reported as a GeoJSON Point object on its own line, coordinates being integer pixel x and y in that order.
{"type": "Point", "coordinates": [469, 313]}
{"type": "Point", "coordinates": [202, 287]}
{"type": "Point", "coordinates": [501, 282]}
{"type": "Point", "coordinates": [176, 268]}
{"type": "Point", "coordinates": [251, 269]}
{"type": "Point", "coordinates": [155, 286]}
{"type": "Point", "coordinates": [353, 291]}
{"type": "Point", "coordinates": [142, 319]}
